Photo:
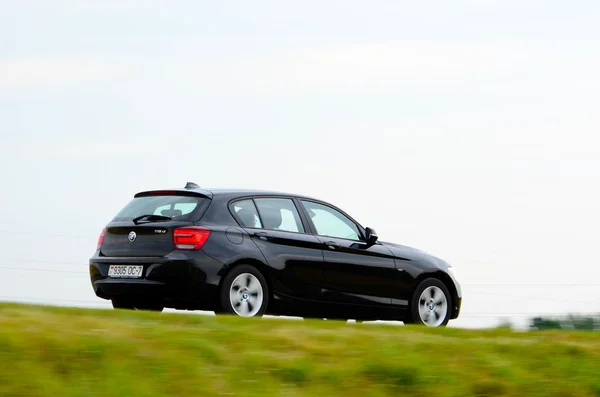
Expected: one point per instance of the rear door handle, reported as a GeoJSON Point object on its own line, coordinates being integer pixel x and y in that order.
{"type": "Point", "coordinates": [331, 244]}
{"type": "Point", "coordinates": [263, 235]}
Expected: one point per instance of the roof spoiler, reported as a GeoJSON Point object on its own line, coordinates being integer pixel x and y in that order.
{"type": "Point", "coordinates": [191, 189]}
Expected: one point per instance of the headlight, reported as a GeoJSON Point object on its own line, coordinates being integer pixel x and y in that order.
{"type": "Point", "coordinates": [452, 272]}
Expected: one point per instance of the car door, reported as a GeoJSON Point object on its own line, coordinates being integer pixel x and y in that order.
{"type": "Point", "coordinates": [294, 257]}
{"type": "Point", "coordinates": [354, 273]}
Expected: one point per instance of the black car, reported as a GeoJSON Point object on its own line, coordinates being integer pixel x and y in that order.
{"type": "Point", "coordinates": [251, 253]}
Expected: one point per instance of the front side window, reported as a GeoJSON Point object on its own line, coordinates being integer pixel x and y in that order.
{"type": "Point", "coordinates": [247, 214]}
{"type": "Point", "coordinates": [279, 214]}
{"type": "Point", "coordinates": [330, 222]}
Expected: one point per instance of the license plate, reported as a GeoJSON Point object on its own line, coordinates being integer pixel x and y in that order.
{"type": "Point", "coordinates": [125, 271]}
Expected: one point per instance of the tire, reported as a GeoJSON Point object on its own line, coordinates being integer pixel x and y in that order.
{"type": "Point", "coordinates": [430, 305]}
{"type": "Point", "coordinates": [244, 292]}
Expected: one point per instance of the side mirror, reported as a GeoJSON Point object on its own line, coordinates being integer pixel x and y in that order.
{"type": "Point", "coordinates": [371, 236]}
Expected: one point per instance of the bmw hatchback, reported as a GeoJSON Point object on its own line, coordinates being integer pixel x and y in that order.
{"type": "Point", "coordinates": [250, 253]}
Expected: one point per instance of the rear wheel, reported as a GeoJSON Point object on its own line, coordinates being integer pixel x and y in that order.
{"type": "Point", "coordinates": [244, 292]}
{"type": "Point", "coordinates": [430, 304]}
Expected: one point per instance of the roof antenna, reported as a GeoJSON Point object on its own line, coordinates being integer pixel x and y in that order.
{"type": "Point", "coordinates": [191, 185]}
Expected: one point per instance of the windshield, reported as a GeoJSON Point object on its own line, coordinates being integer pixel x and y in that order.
{"type": "Point", "coordinates": [179, 208]}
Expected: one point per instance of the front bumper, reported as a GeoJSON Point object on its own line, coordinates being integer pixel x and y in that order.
{"type": "Point", "coordinates": [456, 309]}
{"type": "Point", "coordinates": [458, 297]}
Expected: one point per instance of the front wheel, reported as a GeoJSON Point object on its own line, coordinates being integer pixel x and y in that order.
{"type": "Point", "coordinates": [430, 304]}
{"type": "Point", "coordinates": [244, 292]}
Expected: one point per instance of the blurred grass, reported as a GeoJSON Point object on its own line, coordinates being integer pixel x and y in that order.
{"type": "Point", "coordinates": [50, 351]}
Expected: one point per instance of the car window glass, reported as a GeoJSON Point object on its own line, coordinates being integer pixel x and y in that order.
{"type": "Point", "coordinates": [247, 214]}
{"type": "Point", "coordinates": [330, 222]}
{"type": "Point", "coordinates": [279, 214]}
{"type": "Point", "coordinates": [176, 209]}
{"type": "Point", "coordinates": [180, 207]}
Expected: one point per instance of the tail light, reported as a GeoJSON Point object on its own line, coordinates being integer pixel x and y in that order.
{"type": "Point", "coordinates": [190, 238]}
{"type": "Point", "coordinates": [101, 239]}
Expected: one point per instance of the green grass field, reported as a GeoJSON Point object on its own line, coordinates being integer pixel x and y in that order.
{"type": "Point", "coordinates": [49, 351]}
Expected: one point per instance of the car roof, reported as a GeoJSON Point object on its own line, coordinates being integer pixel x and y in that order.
{"type": "Point", "coordinates": [229, 193]}
{"type": "Point", "coordinates": [234, 192]}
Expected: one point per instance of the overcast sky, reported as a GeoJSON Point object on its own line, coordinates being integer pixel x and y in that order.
{"type": "Point", "coordinates": [468, 129]}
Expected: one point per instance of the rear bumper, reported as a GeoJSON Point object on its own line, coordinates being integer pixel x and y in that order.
{"type": "Point", "coordinates": [110, 288]}
{"type": "Point", "coordinates": [181, 279]}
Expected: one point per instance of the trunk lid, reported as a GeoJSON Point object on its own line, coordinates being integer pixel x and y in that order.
{"type": "Point", "coordinates": [129, 240]}
{"type": "Point", "coordinates": [144, 227]}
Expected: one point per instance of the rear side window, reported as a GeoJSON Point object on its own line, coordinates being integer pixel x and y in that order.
{"type": "Point", "coordinates": [247, 214]}
{"type": "Point", "coordinates": [279, 214]}
{"type": "Point", "coordinates": [180, 208]}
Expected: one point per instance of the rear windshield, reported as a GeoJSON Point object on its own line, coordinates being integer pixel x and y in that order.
{"type": "Point", "coordinates": [180, 208]}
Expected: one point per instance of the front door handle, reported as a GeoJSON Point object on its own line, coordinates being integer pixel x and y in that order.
{"type": "Point", "coordinates": [263, 235]}
{"type": "Point", "coordinates": [332, 244]}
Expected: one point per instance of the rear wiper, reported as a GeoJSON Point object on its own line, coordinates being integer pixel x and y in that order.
{"type": "Point", "coordinates": [151, 218]}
